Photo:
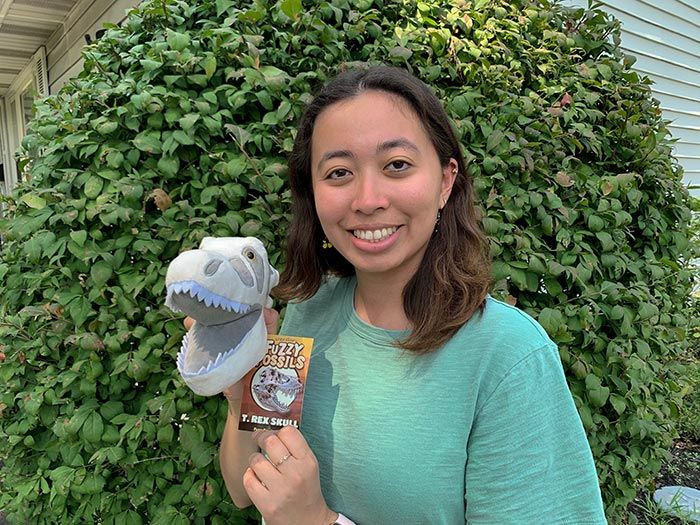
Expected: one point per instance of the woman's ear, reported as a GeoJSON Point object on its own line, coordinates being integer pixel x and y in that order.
{"type": "Point", "coordinates": [449, 175]}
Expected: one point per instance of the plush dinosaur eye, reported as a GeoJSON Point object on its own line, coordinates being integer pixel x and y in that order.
{"type": "Point", "coordinates": [250, 254]}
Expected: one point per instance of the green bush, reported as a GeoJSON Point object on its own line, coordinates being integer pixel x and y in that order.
{"type": "Point", "coordinates": [689, 420]}
{"type": "Point", "coordinates": [179, 126]}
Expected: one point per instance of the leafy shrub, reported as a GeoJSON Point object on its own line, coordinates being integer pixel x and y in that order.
{"type": "Point", "coordinates": [179, 126]}
{"type": "Point", "coordinates": [689, 420]}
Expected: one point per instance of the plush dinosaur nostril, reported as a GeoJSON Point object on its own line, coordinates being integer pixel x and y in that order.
{"type": "Point", "coordinates": [242, 271]}
{"type": "Point", "coordinates": [212, 267]}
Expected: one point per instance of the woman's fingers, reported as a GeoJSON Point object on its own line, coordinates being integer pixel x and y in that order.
{"type": "Point", "coordinates": [285, 489]}
{"type": "Point", "coordinates": [254, 487]}
{"type": "Point", "coordinates": [271, 445]}
{"type": "Point", "coordinates": [188, 322]}
{"type": "Point", "coordinates": [293, 441]}
{"type": "Point", "coordinates": [271, 320]}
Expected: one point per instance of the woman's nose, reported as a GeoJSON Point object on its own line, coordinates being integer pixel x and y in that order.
{"type": "Point", "coordinates": [370, 194]}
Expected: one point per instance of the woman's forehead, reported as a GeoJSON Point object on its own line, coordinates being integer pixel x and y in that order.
{"type": "Point", "coordinates": [374, 119]}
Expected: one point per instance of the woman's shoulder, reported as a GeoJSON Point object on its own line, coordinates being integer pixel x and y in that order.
{"type": "Point", "coordinates": [504, 331]}
{"type": "Point", "coordinates": [503, 345]}
{"type": "Point", "coordinates": [507, 321]}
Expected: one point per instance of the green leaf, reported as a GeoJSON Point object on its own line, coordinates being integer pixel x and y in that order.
{"type": "Point", "coordinates": [209, 193]}
{"type": "Point", "coordinates": [188, 121]}
{"type": "Point", "coordinates": [202, 454]}
{"type": "Point", "coordinates": [165, 434]}
{"type": "Point", "coordinates": [605, 71]}
{"type": "Point", "coordinates": [401, 52]}
{"type": "Point", "coordinates": [606, 241]}
{"type": "Point", "coordinates": [291, 8]}
{"type": "Point", "coordinates": [148, 141]}
{"type": "Point", "coordinates": [618, 402]}
{"type": "Point", "coordinates": [169, 165]}
{"type": "Point", "coordinates": [101, 272]}
{"type": "Point", "coordinates": [62, 475]}
{"type": "Point", "coordinates": [494, 139]}
{"type": "Point", "coordinates": [597, 393]}
{"type": "Point", "coordinates": [107, 127]}
{"type": "Point", "coordinates": [222, 6]}
{"type": "Point", "coordinates": [93, 187]}
{"type": "Point", "coordinates": [595, 223]}
{"type": "Point", "coordinates": [33, 201]}
{"type": "Point", "coordinates": [551, 320]}
{"type": "Point", "coordinates": [208, 63]}
{"type": "Point", "coordinates": [78, 237]}
{"type": "Point", "coordinates": [93, 427]}
{"type": "Point", "coordinates": [177, 41]}
{"type": "Point", "coordinates": [151, 65]}
{"type": "Point", "coordinates": [190, 436]}
{"type": "Point", "coordinates": [647, 310]}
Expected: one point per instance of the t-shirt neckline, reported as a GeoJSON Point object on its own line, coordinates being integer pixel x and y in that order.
{"type": "Point", "coordinates": [361, 327]}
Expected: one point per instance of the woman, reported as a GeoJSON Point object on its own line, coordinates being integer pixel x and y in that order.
{"type": "Point", "coordinates": [427, 401]}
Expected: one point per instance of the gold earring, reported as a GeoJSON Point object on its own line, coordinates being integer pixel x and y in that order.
{"type": "Point", "coordinates": [326, 244]}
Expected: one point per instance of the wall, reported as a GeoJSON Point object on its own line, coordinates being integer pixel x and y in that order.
{"type": "Point", "coordinates": [65, 45]}
{"type": "Point", "coordinates": [665, 39]}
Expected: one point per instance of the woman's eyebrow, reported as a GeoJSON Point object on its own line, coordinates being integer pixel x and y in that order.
{"type": "Point", "coordinates": [397, 143]}
{"type": "Point", "coordinates": [382, 146]}
{"type": "Point", "coordinates": [335, 154]}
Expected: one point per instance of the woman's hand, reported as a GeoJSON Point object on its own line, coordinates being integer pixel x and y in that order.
{"type": "Point", "coordinates": [271, 319]}
{"type": "Point", "coordinates": [284, 483]}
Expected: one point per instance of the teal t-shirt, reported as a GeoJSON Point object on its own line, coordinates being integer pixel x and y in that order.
{"type": "Point", "coordinates": [482, 431]}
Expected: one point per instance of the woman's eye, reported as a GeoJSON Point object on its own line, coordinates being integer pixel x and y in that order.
{"type": "Point", "coordinates": [338, 174]}
{"type": "Point", "coordinates": [398, 165]}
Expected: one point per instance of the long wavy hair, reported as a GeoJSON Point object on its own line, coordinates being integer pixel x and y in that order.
{"type": "Point", "coordinates": [453, 277]}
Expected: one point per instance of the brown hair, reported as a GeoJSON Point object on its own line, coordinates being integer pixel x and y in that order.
{"type": "Point", "coordinates": [452, 280]}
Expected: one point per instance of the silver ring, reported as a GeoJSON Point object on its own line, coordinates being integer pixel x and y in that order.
{"type": "Point", "coordinates": [285, 458]}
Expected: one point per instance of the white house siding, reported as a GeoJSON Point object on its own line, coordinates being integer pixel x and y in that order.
{"type": "Point", "coordinates": [65, 45]}
{"type": "Point", "coordinates": [664, 36]}
{"type": "Point", "coordinates": [40, 49]}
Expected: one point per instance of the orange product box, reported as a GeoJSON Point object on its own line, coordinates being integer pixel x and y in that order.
{"type": "Point", "coordinates": [273, 394]}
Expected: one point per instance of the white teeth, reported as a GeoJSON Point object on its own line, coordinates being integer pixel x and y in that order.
{"type": "Point", "coordinates": [284, 399]}
{"type": "Point", "coordinates": [374, 235]}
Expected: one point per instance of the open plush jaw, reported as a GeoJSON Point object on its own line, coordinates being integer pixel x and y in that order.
{"type": "Point", "coordinates": [201, 304]}
{"type": "Point", "coordinates": [222, 327]}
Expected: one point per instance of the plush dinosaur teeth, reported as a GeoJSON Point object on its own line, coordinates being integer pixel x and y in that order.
{"type": "Point", "coordinates": [205, 296]}
{"type": "Point", "coordinates": [208, 367]}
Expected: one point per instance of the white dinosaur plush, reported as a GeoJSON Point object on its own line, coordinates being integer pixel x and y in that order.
{"type": "Point", "coordinates": [224, 286]}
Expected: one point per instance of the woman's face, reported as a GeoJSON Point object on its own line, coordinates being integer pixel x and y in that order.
{"type": "Point", "coordinates": [377, 182]}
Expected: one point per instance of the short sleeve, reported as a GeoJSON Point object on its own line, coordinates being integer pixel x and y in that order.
{"type": "Point", "coordinates": [528, 458]}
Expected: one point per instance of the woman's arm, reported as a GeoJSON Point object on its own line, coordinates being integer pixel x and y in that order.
{"type": "Point", "coordinates": [237, 446]}
{"type": "Point", "coordinates": [236, 449]}
{"type": "Point", "coordinates": [529, 460]}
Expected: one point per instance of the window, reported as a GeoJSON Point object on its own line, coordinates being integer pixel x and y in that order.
{"type": "Point", "coordinates": [29, 85]}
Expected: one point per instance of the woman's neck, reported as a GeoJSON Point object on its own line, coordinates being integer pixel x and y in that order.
{"type": "Point", "coordinates": [379, 302]}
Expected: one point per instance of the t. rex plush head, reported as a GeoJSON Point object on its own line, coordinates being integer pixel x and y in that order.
{"type": "Point", "coordinates": [224, 286]}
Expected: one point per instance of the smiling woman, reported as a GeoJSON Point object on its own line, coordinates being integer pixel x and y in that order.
{"type": "Point", "coordinates": [378, 188]}
{"type": "Point", "coordinates": [427, 401]}
{"type": "Point", "coordinates": [385, 121]}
